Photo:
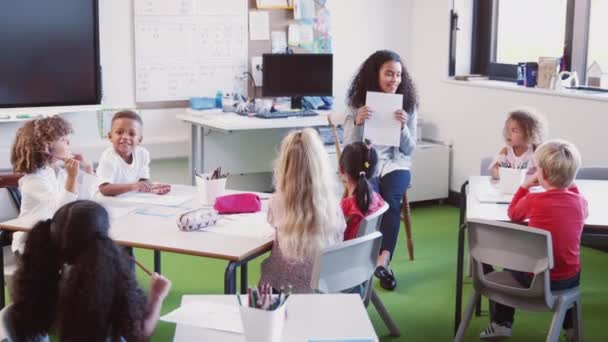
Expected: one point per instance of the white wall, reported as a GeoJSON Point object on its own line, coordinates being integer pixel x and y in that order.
{"type": "Point", "coordinates": [471, 118]}
{"type": "Point", "coordinates": [359, 28]}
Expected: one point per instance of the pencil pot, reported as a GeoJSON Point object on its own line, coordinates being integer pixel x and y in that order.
{"type": "Point", "coordinates": [263, 325]}
{"type": "Point", "coordinates": [510, 179]}
{"type": "Point", "coordinates": [210, 189]}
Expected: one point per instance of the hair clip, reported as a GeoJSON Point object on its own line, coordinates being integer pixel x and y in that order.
{"type": "Point", "coordinates": [362, 174]}
{"type": "Point", "coordinates": [366, 164]}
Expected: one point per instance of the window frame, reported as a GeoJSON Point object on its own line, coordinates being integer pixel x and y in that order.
{"type": "Point", "coordinates": [485, 31]}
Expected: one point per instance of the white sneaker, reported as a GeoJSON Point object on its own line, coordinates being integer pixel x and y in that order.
{"type": "Point", "coordinates": [495, 331]}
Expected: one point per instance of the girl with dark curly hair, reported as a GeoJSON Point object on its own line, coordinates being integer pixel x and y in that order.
{"type": "Point", "coordinates": [76, 282]}
{"type": "Point", "coordinates": [384, 71]}
{"type": "Point", "coordinates": [40, 147]}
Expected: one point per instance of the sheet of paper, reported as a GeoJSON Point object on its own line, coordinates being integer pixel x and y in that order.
{"type": "Point", "coordinates": [247, 225]}
{"type": "Point", "coordinates": [207, 315]}
{"type": "Point", "coordinates": [272, 3]}
{"type": "Point", "coordinates": [259, 25]}
{"type": "Point", "coordinates": [118, 212]}
{"type": "Point", "coordinates": [382, 128]}
{"type": "Point", "coordinates": [162, 211]}
{"type": "Point", "coordinates": [278, 41]}
{"type": "Point", "coordinates": [307, 37]}
{"type": "Point", "coordinates": [147, 198]}
{"type": "Point", "coordinates": [293, 33]}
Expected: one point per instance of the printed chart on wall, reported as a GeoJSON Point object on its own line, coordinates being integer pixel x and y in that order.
{"type": "Point", "coordinates": [188, 48]}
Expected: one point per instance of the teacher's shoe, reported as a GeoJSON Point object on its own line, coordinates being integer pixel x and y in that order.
{"type": "Point", "coordinates": [495, 332]}
{"type": "Point", "coordinates": [387, 278]}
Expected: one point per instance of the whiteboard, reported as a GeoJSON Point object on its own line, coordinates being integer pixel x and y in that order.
{"type": "Point", "coordinates": [188, 48]}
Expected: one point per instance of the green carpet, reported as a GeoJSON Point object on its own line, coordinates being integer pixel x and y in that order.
{"type": "Point", "coordinates": [423, 303]}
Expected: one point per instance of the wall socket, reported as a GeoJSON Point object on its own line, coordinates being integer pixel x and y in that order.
{"type": "Point", "coordinates": [256, 70]}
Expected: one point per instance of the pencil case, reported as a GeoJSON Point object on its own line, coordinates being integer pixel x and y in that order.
{"type": "Point", "coordinates": [197, 219]}
{"type": "Point", "coordinates": [238, 204]}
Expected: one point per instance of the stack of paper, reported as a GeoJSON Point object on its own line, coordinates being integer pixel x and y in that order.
{"type": "Point", "coordinates": [207, 315]}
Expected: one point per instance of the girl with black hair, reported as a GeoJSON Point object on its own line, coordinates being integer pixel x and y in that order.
{"type": "Point", "coordinates": [384, 71]}
{"type": "Point", "coordinates": [75, 282]}
{"type": "Point", "coordinates": [357, 164]}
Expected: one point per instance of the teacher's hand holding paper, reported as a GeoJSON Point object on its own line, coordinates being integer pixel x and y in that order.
{"type": "Point", "coordinates": [384, 128]}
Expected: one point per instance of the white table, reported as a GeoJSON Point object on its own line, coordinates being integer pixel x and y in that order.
{"type": "Point", "coordinates": [239, 143]}
{"type": "Point", "coordinates": [337, 316]}
{"type": "Point", "coordinates": [595, 191]}
{"type": "Point", "coordinates": [160, 233]}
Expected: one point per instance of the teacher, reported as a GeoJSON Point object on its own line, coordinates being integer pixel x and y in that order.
{"type": "Point", "coordinates": [384, 71]}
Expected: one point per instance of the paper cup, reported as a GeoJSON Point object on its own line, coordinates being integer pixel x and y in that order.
{"type": "Point", "coordinates": [210, 189]}
{"type": "Point", "coordinates": [262, 325]}
{"type": "Point", "coordinates": [510, 179]}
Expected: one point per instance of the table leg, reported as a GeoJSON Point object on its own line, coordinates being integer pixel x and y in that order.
{"type": "Point", "coordinates": [157, 261]}
{"type": "Point", "coordinates": [2, 284]}
{"type": "Point", "coordinates": [459, 275]}
{"type": "Point", "coordinates": [244, 278]}
{"type": "Point", "coordinates": [460, 256]}
{"type": "Point", "coordinates": [230, 278]}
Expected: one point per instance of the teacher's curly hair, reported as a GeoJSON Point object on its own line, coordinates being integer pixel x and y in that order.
{"type": "Point", "coordinates": [366, 80]}
{"type": "Point", "coordinates": [75, 281]}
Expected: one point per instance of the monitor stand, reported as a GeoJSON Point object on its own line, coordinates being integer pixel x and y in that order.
{"type": "Point", "coordinates": [296, 102]}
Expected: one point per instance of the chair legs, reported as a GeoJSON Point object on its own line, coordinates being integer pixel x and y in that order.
{"type": "Point", "coordinates": [386, 317]}
{"type": "Point", "coordinates": [466, 319]}
{"type": "Point", "coordinates": [556, 323]}
{"type": "Point", "coordinates": [407, 222]}
{"type": "Point", "coordinates": [578, 320]}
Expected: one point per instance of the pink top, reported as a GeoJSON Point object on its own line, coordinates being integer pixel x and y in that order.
{"type": "Point", "coordinates": [353, 214]}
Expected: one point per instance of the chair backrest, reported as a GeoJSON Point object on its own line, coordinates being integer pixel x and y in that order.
{"type": "Point", "coordinates": [346, 265]}
{"type": "Point", "coordinates": [371, 223]}
{"type": "Point", "coordinates": [10, 197]}
{"type": "Point", "coordinates": [592, 173]}
{"type": "Point", "coordinates": [484, 165]}
{"type": "Point", "coordinates": [514, 247]}
{"type": "Point", "coordinates": [6, 327]}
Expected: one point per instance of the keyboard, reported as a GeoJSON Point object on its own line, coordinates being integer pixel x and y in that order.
{"type": "Point", "coordinates": [286, 114]}
{"type": "Point", "coordinates": [327, 134]}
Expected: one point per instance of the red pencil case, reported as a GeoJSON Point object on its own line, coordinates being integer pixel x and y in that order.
{"type": "Point", "coordinates": [238, 203]}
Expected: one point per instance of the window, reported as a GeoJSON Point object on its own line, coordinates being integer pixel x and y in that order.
{"type": "Point", "coordinates": [598, 33]}
{"type": "Point", "coordinates": [527, 30]}
{"type": "Point", "coordinates": [506, 32]}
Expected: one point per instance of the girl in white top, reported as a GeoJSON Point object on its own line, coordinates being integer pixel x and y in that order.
{"type": "Point", "coordinates": [40, 145]}
{"type": "Point", "coordinates": [524, 131]}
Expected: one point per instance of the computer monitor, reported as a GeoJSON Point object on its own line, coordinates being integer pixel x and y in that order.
{"type": "Point", "coordinates": [297, 75]}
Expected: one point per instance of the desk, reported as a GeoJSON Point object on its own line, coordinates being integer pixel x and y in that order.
{"type": "Point", "coordinates": [234, 141]}
{"type": "Point", "coordinates": [309, 316]}
{"type": "Point", "coordinates": [595, 191]}
{"type": "Point", "coordinates": [161, 233]}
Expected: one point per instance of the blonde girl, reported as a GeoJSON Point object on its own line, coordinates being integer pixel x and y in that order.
{"type": "Point", "coordinates": [304, 211]}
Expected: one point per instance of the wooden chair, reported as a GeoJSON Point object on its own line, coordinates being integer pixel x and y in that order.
{"type": "Point", "coordinates": [333, 120]}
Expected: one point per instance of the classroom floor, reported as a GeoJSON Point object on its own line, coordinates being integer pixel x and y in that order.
{"type": "Point", "coordinates": [423, 303]}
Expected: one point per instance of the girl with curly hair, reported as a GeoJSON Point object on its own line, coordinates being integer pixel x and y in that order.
{"type": "Point", "coordinates": [384, 71]}
{"type": "Point", "coordinates": [75, 282]}
{"type": "Point", "coordinates": [40, 147]}
{"type": "Point", "coordinates": [524, 131]}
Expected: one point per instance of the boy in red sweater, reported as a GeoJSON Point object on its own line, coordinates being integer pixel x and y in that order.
{"type": "Point", "coordinates": [561, 210]}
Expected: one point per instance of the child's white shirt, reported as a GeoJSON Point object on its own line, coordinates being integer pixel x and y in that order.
{"type": "Point", "coordinates": [43, 192]}
{"type": "Point", "coordinates": [114, 170]}
{"type": "Point", "coordinates": [524, 161]}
